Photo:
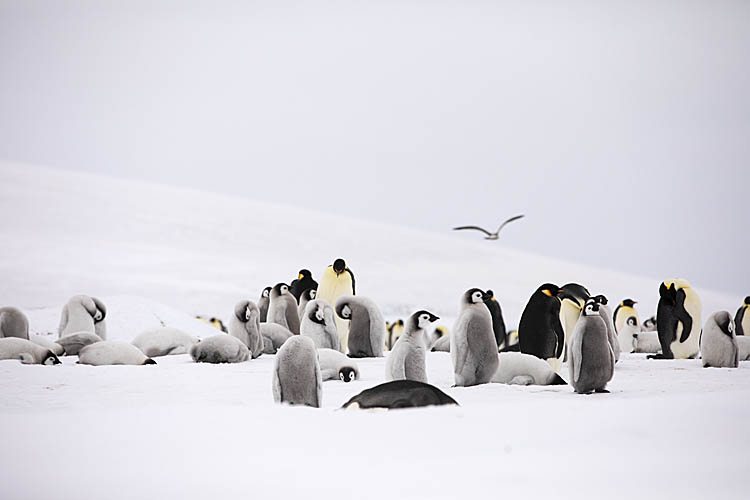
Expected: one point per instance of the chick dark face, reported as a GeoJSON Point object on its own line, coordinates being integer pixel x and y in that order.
{"type": "Point", "coordinates": [591, 308]}
{"type": "Point", "coordinates": [475, 296]}
{"type": "Point", "coordinates": [347, 374]}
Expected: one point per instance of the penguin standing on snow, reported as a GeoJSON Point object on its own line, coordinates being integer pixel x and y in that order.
{"type": "Point", "coordinates": [623, 311]}
{"type": "Point", "coordinates": [282, 309]}
{"type": "Point", "coordinates": [407, 359]}
{"type": "Point", "coordinates": [337, 280]}
{"type": "Point", "coordinates": [628, 335]}
{"type": "Point", "coordinates": [13, 323]}
{"type": "Point", "coordinates": [540, 332]}
{"type": "Point", "coordinates": [319, 324]}
{"type": "Point", "coordinates": [245, 325]}
{"type": "Point", "coordinates": [742, 318]}
{"type": "Point", "coordinates": [498, 324]}
{"type": "Point", "coordinates": [303, 282]}
{"type": "Point", "coordinates": [366, 326]}
{"type": "Point", "coordinates": [395, 330]}
{"type": "Point", "coordinates": [678, 320]}
{"type": "Point", "coordinates": [606, 315]}
{"type": "Point", "coordinates": [306, 297]}
{"type": "Point", "coordinates": [296, 373]}
{"type": "Point", "coordinates": [572, 298]}
{"type": "Point", "coordinates": [263, 303]}
{"type": "Point", "coordinates": [592, 361]}
{"type": "Point", "coordinates": [718, 342]}
{"type": "Point", "coordinates": [472, 341]}
{"type": "Point", "coordinates": [83, 314]}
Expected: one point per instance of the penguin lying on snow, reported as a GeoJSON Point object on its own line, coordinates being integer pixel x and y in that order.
{"type": "Point", "coordinates": [113, 352]}
{"type": "Point", "coordinates": [649, 325]}
{"type": "Point", "coordinates": [274, 337]}
{"type": "Point", "coordinates": [592, 361]}
{"type": "Point", "coordinates": [26, 351]}
{"type": "Point", "coordinates": [335, 365]}
{"type": "Point", "coordinates": [73, 343]}
{"type": "Point", "coordinates": [407, 359]}
{"type": "Point", "coordinates": [13, 323]}
{"type": "Point", "coordinates": [47, 343]}
{"type": "Point", "coordinates": [718, 342]}
{"type": "Point", "coordinates": [83, 314]}
{"type": "Point", "coordinates": [296, 374]}
{"type": "Point", "coordinates": [399, 394]}
{"type": "Point", "coordinates": [516, 368]}
{"type": "Point", "coordinates": [366, 335]}
{"type": "Point", "coordinates": [647, 342]}
{"type": "Point", "coordinates": [245, 325]}
{"type": "Point", "coordinates": [743, 345]}
{"type": "Point", "coordinates": [164, 341]}
{"type": "Point", "coordinates": [220, 348]}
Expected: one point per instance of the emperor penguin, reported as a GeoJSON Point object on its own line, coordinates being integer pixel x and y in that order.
{"type": "Point", "coordinates": [649, 325]}
{"type": "Point", "coordinates": [335, 365]}
{"type": "Point", "coordinates": [511, 344]}
{"type": "Point", "coordinates": [303, 282]}
{"type": "Point", "coordinates": [263, 302]}
{"type": "Point", "coordinates": [496, 312]}
{"type": "Point", "coordinates": [113, 352]}
{"type": "Point", "coordinates": [406, 360]}
{"type": "Point", "coordinates": [517, 368]}
{"type": "Point", "coordinates": [742, 318]}
{"type": "Point", "coordinates": [572, 298]}
{"type": "Point", "coordinates": [26, 351]}
{"type": "Point", "coordinates": [296, 373]}
{"type": "Point", "coordinates": [606, 315]}
{"type": "Point", "coordinates": [743, 344]}
{"type": "Point", "coordinates": [306, 297]}
{"type": "Point", "coordinates": [540, 332]}
{"type": "Point", "coordinates": [220, 348]}
{"type": "Point", "coordinates": [627, 336]}
{"type": "Point", "coordinates": [719, 343]}
{"type": "Point", "coordinates": [319, 324]}
{"type": "Point", "coordinates": [73, 343]}
{"type": "Point", "coordinates": [83, 314]}
{"type": "Point", "coordinates": [473, 345]}
{"type": "Point", "coordinates": [13, 323]}
{"type": "Point", "coordinates": [282, 309]}
{"type": "Point", "coordinates": [678, 320]}
{"type": "Point", "coordinates": [647, 342]}
{"type": "Point", "coordinates": [592, 360]}
{"type": "Point", "coordinates": [274, 337]}
{"type": "Point", "coordinates": [245, 325]}
{"type": "Point", "coordinates": [443, 344]}
{"type": "Point", "coordinates": [399, 394]}
{"type": "Point", "coordinates": [47, 343]}
{"type": "Point", "coordinates": [395, 332]}
{"type": "Point", "coordinates": [164, 341]}
{"type": "Point", "coordinates": [623, 311]}
{"type": "Point", "coordinates": [337, 280]}
{"type": "Point", "coordinates": [436, 334]}
{"type": "Point", "coordinates": [366, 326]}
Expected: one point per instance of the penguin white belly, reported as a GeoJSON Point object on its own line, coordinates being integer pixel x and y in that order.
{"type": "Point", "coordinates": [626, 338]}
{"type": "Point", "coordinates": [569, 315]}
{"type": "Point", "coordinates": [743, 344]}
{"type": "Point", "coordinates": [746, 323]}
{"type": "Point", "coordinates": [647, 342]}
{"type": "Point", "coordinates": [330, 290]}
{"type": "Point", "coordinates": [691, 346]}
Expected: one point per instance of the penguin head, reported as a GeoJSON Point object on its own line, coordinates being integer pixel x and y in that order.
{"type": "Point", "coordinates": [747, 301]}
{"type": "Point", "coordinates": [266, 292]}
{"type": "Point", "coordinates": [440, 331]}
{"type": "Point", "coordinates": [304, 273]}
{"type": "Point", "coordinates": [347, 374]}
{"type": "Point", "coordinates": [241, 311]}
{"type": "Point", "coordinates": [491, 295]}
{"type": "Point", "coordinates": [475, 296]}
{"type": "Point", "coordinates": [101, 310]}
{"type": "Point", "coordinates": [575, 292]}
{"type": "Point", "coordinates": [346, 311]}
{"type": "Point", "coordinates": [549, 290]}
{"type": "Point", "coordinates": [311, 293]}
{"type": "Point", "coordinates": [591, 308]}
{"type": "Point", "coordinates": [317, 315]}
{"type": "Point", "coordinates": [600, 299]}
{"type": "Point", "coordinates": [628, 303]}
{"type": "Point", "coordinates": [423, 319]}
{"type": "Point", "coordinates": [50, 358]}
{"type": "Point", "coordinates": [632, 321]}
{"type": "Point", "coordinates": [279, 290]}
{"type": "Point", "coordinates": [724, 322]}
{"type": "Point", "coordinates": [149, 361]}
{"type": "Point", "coordinates": [339, 266]}
{"type": "Point", "coordinates": [668, 292]}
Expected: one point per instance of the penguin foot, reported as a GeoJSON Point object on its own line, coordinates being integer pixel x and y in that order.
{"type": "Point", "coordinates": [601, 391]}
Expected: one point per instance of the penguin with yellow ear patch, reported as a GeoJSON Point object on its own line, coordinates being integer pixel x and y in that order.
{"type": "Point", "coordinates": [303, 282]}
{"type": "Point", "coordinates": [337, 280]}
{"type": "Point", "coordinates": [572, 299]}
{"type": "Point", "coordinates": [394, 332]}
{"type": "Point", "coordinates": [742, 318]}
{"type": "Point", "coordinates": [540, 332]}
{"type": "Point", "coordinates": [623, 311]}
{"type": "Point", "coordinates": [678, 320]}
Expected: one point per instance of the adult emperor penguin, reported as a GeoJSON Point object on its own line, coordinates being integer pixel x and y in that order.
{"type": "Point", "coordinates": [443, 344]}
{"type": "Point", "coordinates": [113, 352]}
{"type": "Point", "coordinates": [83, 314]}
{"type": "Point", "coordinates": [263, 302]}
{"type": "Point", "coordinates": [496, 312]}
{"type": "Point", "coordinates": [303, 282]}
{"type": "Point", "coordinates": [407, 358]}
{"type": "Point", "coordinates": [13, 323]}
{"type": "Point", "coordinates": [319, 324]}
{"type": "Point", "coordinates": [473, 345]}
{"type": "Point", "coordinates": [296, 373]}
{"type": "Point", "coordinates": [26, 351]}
{"type": "Point", "coordinates": [366, 328]}
{"type": "Point", "coordinates": [623, 311]}
{"type": "Point", "coordinates": [540, 332]}
{"type": "Point", "coordinates": [282, 309]}
{"type": "Point", "coordinates": [678, 320]}
{"type": "Point", "coordinates": [335, 365]}
{"type": "Point", "coordinates": [220, 348]}
{"type": "Point", "coordinates": [742, 318]}
{"type": "Point", "coordinates": [306, 297]}
{"type": "Point", "coordinates": [394, 332]}
{"type": "Point", "coordinates": [592, 361]}
{"type": "Point", "coordinates": [572, 298]}
{"type": "Point", "coordinates": [606, 315]}
{"type": "Point", "coordinates": [718, 342]}
{"type": "Point", "coordinates": [399, 394]}
{"type": "Point", "coordinates": [436, 334]}
{"type": "Point", "coordinates": [627, 336]}
{"type": "Point", "coordinates": [164, 341]}
{"type": "Point", "coordinates": [337, 280]}
{"type": "Point", "coordinates": [245, 325]}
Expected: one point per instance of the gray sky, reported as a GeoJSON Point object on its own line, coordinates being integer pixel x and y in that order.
{"type": "Point", "coordinates": [621, 129]}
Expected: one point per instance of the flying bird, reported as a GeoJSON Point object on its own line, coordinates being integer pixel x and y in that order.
{"type": "Point", "coordinates": [490, 236]}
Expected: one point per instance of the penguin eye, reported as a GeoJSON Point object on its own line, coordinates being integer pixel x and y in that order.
{"type": "Point", "coordinates": [730, 328]}
{"type": "Point", "coordinates": [312, 294]}
{"type": "Point", "coordinates": [341, 376]}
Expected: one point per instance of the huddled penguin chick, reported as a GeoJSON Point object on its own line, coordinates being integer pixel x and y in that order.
{"type": "Point", "coordinates": [394, 332]}
{"type": "Point", "coordinates": [399, 394]}
{"type": "Point", "coordinates": [517, 368]}
{"type": "Point", "coordinates": [718, 342]}
{"type": "Point", "coordinates": [164, 341]}
{"type": "Point", "coordinates": [47, 344]}
{"type": "Point", "coordinates": [220, 348]}
{"type": "Point", "coordinates": [13, 323]}
{"type": "Point", "coordinates": [407, 358]}
{"type": "Point", "coordinates": [647, 342]}
{"type": "Point", "coordinates": [73, 343]}
{"type": "Point", "coordinates": [263, 302]}
{"type": "Point", "coordinates": [678, 320]}
{"type": "Point", "coordinates": [113, 352]}
{"type": "Point", "coordinates": [742, 318]}
{"type": "Point", "coordinates": [296, 374]}
{"type": "Point", "coordinates": [335, 365]}
{"type": "Point", "coordinates": [473, 345]}
{"type": "Point", "coordinates": [245, 325]}
{"type": "Point", "coordinates": [83, 314]}
{"type": "Point", "coordinates": [649, 325]}
{"type": "Point", "coordinates": [443, 344]}
{"type": "Point", "coordinates": [306, 297]}
{"type": "Point", "coordinates": [303, 283]}
{"type": "Point", "coordinates": [540, 332]}
{"type": "Point", "coordinates": [624, 311]}
{"type": "Point", "coordinates": [496, 312]}
{"type": "Point", "coordinates": [26, 351]}
{"type": "Point", "coordinates": [282, 309]}
{"type": "Point", "coordinates": [366, 326]}
{"type": "Point", "coordinates": [337, 280]}
{"type": "Point", "coordinates": [433, 336]}
{"type": "Point", "coordinates": [592, 361]}
{"type": "Point", "coordinates": [319, 324]}
{"type": "Point", "coordinates": [627, 335]}
{"type": "Point", "coordinates": [606, 315]}
{"type": "Point", "coordinates": [274, 337]}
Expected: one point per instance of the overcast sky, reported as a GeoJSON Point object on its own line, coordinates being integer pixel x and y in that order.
{"type": "Point", "coordinates": [621, 129]}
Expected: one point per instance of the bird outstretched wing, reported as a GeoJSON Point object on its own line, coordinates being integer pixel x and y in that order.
{"type": "Point", "coordinates": [476, 228]}
{"type": "Point", "coordinates": [515, 217]}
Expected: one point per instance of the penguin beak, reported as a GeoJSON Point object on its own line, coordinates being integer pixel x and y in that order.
{"type": "Point", "coordinates": [433, 318]}
{"type": "Point", "coordinates": [486, 297]}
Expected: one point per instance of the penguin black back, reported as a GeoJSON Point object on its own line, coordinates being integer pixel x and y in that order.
{"type": "Point", "coordinates": [400, 394]}
{"type": "Point", "coordinates": [498, 324]}
{"type": "Point", "coordinates": [303, 282]}
{"type": "Point", "coordinates": [670, 312]}
{"type": "Point", "coordinates": [540, 332]}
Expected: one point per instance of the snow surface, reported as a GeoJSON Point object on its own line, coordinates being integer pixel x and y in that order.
{"type": "Point", "coordinates": [179, 429]}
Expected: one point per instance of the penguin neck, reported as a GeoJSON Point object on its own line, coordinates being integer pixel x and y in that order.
{"type": "Point", "coordinates": [412, 331]}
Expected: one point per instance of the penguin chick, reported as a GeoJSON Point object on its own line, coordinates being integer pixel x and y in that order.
{"type": "Point", "coordinates": [274, 337]}
{"type": "Point", "coordinates": [719, 346]}
{"type": "Point", "coordinates": [592, 361]}
{"type": "Point", "coordinates": [606, 315]}
{"type": "Point", "coordinates": [112, 352]}
{"type": "Point", "coordinates": [306, 297]}
{"type": "Point", "coordinates": [263, 302]}
{"type": "Point", "coordinates": [282, 309]}
{"type": "Point", "coordinates": [73, 343]}
{"type": "Point", "coordinates": [473, 346]}
{"type": "Point", "coordinates": [626, 337]}
{"type": "Point", "coordinates": [83, 314]}
{"type": "Point", "coordinates": [28, 352]}
{"type": "Point", "coordinates": [13, 323]}
{"type": "Point", "coordinates": [47, 343]}
{"type": "Point", "coordinates": [164, 341]}
{"type": "Point", "coordinates": [366, 327]}
{"type": "Point", "coordinates": [319, 324]}
{"type": "Point", "coordinates": [517, 368]}
{"type": "Point", "coordinates": [334, 365]}
{"type": "Point", "coordinates": [220, 348]}
{"type": "Point", "coordinates": [296, 373]}
{"type": "Point", "coordinates": [407, 358]}
{"type": "Point", "coordinates": [245, 325]}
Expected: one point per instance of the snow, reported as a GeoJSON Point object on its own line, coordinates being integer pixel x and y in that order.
{"type": "Point", "coordinates": [178, 429]}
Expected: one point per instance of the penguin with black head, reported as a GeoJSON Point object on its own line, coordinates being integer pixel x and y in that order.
{"type": "Point", "coordinates": [540, 332]}
{"type": "Point", "coordinates": [303, 282]}
{"type": "Point", "coordinates": [678, 320]}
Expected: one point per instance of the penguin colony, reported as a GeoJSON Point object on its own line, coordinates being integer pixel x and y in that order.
{"type": "Point", "coordinates": [316, 331]}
